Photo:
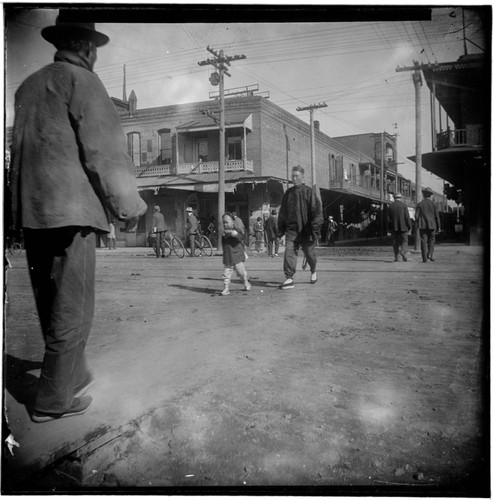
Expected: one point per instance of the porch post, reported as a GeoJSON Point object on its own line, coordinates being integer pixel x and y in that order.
{"type": "Point", "coordinates": [244, 148]}
{"type": "Point", "coordinates": [177, 153]}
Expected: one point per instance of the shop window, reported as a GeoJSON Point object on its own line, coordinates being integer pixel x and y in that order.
{"type": "Point", "coordinates": [149, 145]}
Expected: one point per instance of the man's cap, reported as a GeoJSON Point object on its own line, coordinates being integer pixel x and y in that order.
{"type": "Point", "coordinates": [397, 195]}
{"type": "Point", "coordinates": [63, 30]}
{"type": "Point", "coordinates": [189, 209]}
{"type": "Point", "coordinates": [330, 217]}
{"type": "Point", "coordinates": [298, 168]}
{"type": "Point", "coordinates": [156, 208]}
{"type": "Point", "coordinates": [427, 190]}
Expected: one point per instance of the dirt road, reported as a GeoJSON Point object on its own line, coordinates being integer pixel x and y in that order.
{"type": "Point", "coordinates": [370, 380]}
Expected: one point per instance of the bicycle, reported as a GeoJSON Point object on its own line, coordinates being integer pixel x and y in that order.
{"type": "Point", "coordinates": [14, 249]}
{"type": "Point", "coordinates": [203, 245]}
{"type": "Point", "coordinates": [171, 244]}
{"type": "Point", "coordinates": [256, 246]}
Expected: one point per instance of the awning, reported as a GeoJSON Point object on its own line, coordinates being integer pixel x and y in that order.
{"type": "Point", "coordinates": [204, 183]}
{"type": "Point", "coordinates": [452, 163]}
{"type": "Point", "coordinates": [232, 120]}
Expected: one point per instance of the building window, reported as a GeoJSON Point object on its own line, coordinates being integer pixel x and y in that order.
{"type": "Point", "coordinates": [202, 148]}
{"type": "Point", "coordinates": [165, 151]}
{"type": "Point", "coordinates": [149, 145]}
{"type": "Point", "coordinates": [133, 147]}
{"type": "Point", "coordinates": [233, 148]}
{"type": "Point", "coordinates": [144, 157]}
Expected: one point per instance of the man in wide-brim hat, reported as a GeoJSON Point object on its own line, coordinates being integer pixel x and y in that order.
{"type": "Point", "coordinates": [400, 225]}
{"type": "Point", "coordinates": [70, 176]}
{"type": "Point", "coordinates": [428, 223]}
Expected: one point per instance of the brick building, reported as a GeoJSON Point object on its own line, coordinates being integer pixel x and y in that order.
{"type": "Point", "coordinates": [175, 151]}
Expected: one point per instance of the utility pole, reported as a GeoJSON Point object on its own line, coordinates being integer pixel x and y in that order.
{"type": "Point", "coordinates": [221, 62]}
{"type": "Point", "coordinates": [418, 82]}
{"type": "Point", "coordinates": [397, 188]}
{"type": "Point", "coordinates": [312, 108]}
{"type": "Point", "coordinates": [382, 181]}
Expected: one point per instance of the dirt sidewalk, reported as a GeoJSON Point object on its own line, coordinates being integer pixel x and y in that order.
{"type": "Point", "coordinates": [371, 379]}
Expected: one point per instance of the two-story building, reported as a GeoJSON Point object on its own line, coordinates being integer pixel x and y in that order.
{"type": "Point", "coordinates": [461, 113]}
{"type": "Point", "coordinates": [175, 151]}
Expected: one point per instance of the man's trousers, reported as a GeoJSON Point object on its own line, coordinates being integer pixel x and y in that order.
{"type": "Point", "coordinates": [62, 268]}
{"type": "Point", "coordinates": [159, 248]}
{"type": "Point", "coordinates": [291, 255]}
{"type": "Point", "coordinates": [399, 242]}
{"type": "Point", "coordinates": [427, 243]}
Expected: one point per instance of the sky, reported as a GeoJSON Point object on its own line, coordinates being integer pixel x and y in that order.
{"type": "Point", "coordinates": [351, 66]}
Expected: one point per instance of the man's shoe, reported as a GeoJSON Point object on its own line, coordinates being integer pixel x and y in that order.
{"type": "Point", "coordinates": [289, 283]}
{"type": "Point", "coordinates": [432, 259]}
{"type": "Point", "coordinates": [313, 278]}
{"type": "Point", "coordinates": [82, 388]}
{"type": "Point", "coordinates": [404, 258]}
{"type": "Point", "coordinates": [276, 255]}
{"type": "Point", "coordinates": [78, 407]}
{"type": "Point", "coordinates": [225, 291]}
{"type": "Point", "coordinates": [248, 286]}
{"type": "Point", "coordinates": [396, 259]}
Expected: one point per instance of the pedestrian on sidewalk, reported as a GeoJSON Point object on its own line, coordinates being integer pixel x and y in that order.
{"type": "Point", "coordinates": [258, 229]}
{"type": "Point", "coordinates": [300, 219]}
{"type": "Point", "coordinates": [331, 229]}
{"type": "Point", "coordinates": [233, 254]}
{"type": "Point", "coordinates": [63, 187]}
{"type": "Point", "coordinates": [159, 228]}
{"type": "Point", "coordinates": [400, 225]}
{"type": "Point", "coordinates": [192, 227]}
{"type": "Point", "coordinates": [428, 223]}
{"type": "Point", "coordinates": [112, 236]}
{"type": "Point", "coordinates": [272, 235]}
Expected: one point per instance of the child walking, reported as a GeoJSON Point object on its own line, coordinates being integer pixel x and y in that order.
{"type": "Point", "coordinates": [233, 254]}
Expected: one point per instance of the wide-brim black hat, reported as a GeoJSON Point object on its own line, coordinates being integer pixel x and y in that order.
{"type": "Point", "coordinates": [74, 31]}
{"type": "Point", "coordinates": [427, 190]}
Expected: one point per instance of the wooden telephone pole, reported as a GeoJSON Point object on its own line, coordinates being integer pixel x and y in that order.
{"type": "Point", "coordinates": [221, 62]}
{"type": "Point", "coordinates": [312, 108]}
{"type": "Point", "coordinates": [418, 82]}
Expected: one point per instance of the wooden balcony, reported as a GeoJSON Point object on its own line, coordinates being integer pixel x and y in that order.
{"type": "Point", "coordinates": [360, 190]}
{"type": "Point", "coordinates": [194, 168]}
{"type": "Point", "coordinates": [459, 138]}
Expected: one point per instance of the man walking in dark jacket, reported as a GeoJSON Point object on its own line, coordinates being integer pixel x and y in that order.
{"type": "Point", "coordinates": [428, 224]}
{"type": "Point", "coordinates": [300, 219]}
{"type": "Point", "coordinates": [400, 225]}
{"type": "Point", "coordinates": [159, 228]}
{"type": "Point", "coordinates": [70, 175]}
{"type": "Point", "coordinates": [272, 235]}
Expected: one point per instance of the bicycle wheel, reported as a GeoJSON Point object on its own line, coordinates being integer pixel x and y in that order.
{"type": "Point", "coordinates": [16, 249]}
{"type": "Point", "coordinates": [206, 246]}
{"type": "Point", "coordinates": [178, 247]}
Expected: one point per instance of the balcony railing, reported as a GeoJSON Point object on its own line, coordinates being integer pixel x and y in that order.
{"type": "Point", "coordinates": [194, 168]}
{"type": "Point", "coordinates": [460, 138]}
{"type": "Point", "coordinates": [210, 167]}
{"type": "Point", "coordinates": [358, 189]}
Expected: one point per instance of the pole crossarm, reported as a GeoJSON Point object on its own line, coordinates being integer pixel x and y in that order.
{"type": "Point", "coordinates": [312, 106]}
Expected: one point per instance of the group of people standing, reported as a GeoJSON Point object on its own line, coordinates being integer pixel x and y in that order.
{"type": "Point", "coordinates": [427, 226]}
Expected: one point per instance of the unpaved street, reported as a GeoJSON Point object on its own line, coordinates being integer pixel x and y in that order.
{"type": "Point", "coordinates": [370, 379]}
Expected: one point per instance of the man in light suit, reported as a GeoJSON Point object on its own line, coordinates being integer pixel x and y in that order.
{"type": "Point", "coordinates": [400, 225]}
{"type": "Point", "coordinates": [428, 223]}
